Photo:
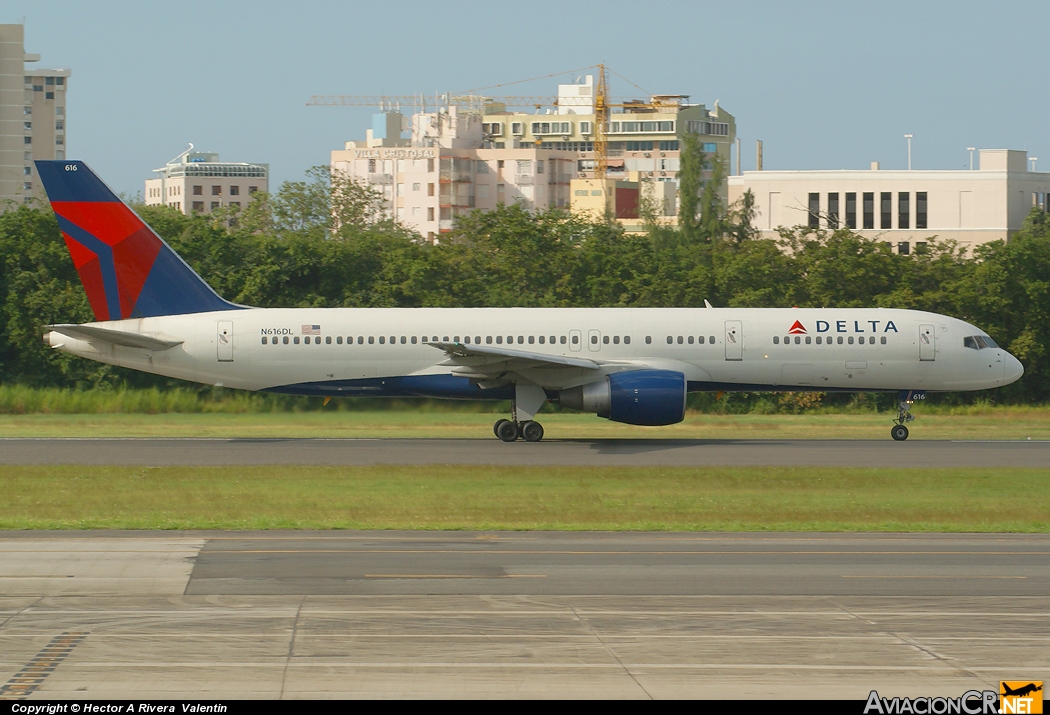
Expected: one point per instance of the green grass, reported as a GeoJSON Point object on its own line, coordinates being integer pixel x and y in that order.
{"type": "Point", "coordinates": [509, 498]}
{"type": "Point", "coordinates": [997, 423]}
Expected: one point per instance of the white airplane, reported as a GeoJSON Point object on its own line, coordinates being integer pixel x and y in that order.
{"type": "Point", "coordinates": [631, 365]}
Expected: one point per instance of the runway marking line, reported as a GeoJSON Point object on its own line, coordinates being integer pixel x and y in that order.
{"type": "Point", "coordinates": [446, 575]}
{"type": "Point", "coordinates": [206, 551]}
{"type": "Point", "coordinates": [315, 663]}
{"type": "Point", "coordinates": [32, 675]}
{"type": "Point", "coordinates": [882, 578]}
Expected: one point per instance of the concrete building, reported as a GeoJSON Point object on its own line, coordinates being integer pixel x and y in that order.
{"type": "Point", "coordinates": [32, 118]}
{"type": "Point", "coordinates": [643, 135]}
{"type": "Point", "coordinates": [902, 207]}
{"type": "Point", "coordinates": [438, 165]}
{"type": "Point", "coordinates": [197, 182]}
{"type": "Point", "coordinates": [440, 171]}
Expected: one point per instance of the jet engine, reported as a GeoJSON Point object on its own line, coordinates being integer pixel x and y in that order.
{"type": "Point", "coordinates": [639, 397]}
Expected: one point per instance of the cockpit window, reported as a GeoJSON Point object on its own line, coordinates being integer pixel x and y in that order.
{"type": "Point", "coordinates": [978, 342]}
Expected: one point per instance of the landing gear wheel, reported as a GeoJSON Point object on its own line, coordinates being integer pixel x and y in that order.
{"type": "Point", "coordinates": [532, 431]}
{"type": "Point", "coordinates": [495, 427]}
{"type": "Point", "coordinates": [899, 432]}
{"type": "Point", "coordinates": [507, 430]}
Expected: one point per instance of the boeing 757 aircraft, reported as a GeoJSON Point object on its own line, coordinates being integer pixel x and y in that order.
{"type": "Point", "coordinates": [632, 365]}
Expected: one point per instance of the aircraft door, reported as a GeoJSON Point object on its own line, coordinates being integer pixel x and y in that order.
{"type": "Point", "coordinates": [927, 343]}
{"type": "Point", "coordinates": [594, 340]}
{"type": "Point", "coordinates": [575, 340]}
{"type": "Point", "coordinates": [734, 340]}
{"type": "Point", "coordinates": [224, 340]}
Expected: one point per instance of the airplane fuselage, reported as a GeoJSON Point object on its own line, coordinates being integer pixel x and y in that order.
{"type": "Point", "coordinates": [390, 351]}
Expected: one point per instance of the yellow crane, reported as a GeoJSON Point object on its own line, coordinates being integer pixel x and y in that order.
{"type": "Point", "coordinates": [602, 110]}
{"type": "Point", "coordinates": [392, 101]}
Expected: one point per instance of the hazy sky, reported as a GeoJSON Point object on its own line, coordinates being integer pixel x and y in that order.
{"type": "Point", "coordinates": [826, 85]}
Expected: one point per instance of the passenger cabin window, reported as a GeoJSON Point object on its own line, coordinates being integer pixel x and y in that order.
{"type": "Point", "coordinates": [285, 340]}
{"type": "Point", "coordinates": [700, 340]}
{"type": "Point", "coordinates": [648, 339]}
{"type": "Point", "coordinates": [776, 340]}
{"type": "Point", "coordinates": [295, 340]}
{"type": "Point", "coordinates": [328, 340]}
{"type": "Point", "coordinates": [626, 339]}
{"type": "Point", "coordinates": [575, 339]}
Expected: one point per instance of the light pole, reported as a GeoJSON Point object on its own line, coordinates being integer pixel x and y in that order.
{"type": "Point", "coordinates": [908, 137]}
{"type": "Point", "coordinates": [971, 149]}
{"type": "Point", "coordinates": [1033, 159]}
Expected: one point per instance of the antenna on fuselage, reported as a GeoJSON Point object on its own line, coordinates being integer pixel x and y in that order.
{"type": "Point", "coordinates": [707, 304]}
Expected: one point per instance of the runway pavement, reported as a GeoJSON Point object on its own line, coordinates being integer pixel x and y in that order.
{"type": "Point", "coordinates": [640, 452]}
{"type": "Point", "coordinates": [467, 614]}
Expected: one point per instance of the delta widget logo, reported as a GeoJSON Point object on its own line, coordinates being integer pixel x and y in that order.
{"type": "Point", "coordinates": [798, 329]}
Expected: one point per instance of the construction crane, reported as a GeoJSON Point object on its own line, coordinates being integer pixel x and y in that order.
{"type": "Point", "coordinates": [474, 102]}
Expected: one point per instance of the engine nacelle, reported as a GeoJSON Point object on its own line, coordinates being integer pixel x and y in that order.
{"type": "Point", "coordinates": [639, 397]}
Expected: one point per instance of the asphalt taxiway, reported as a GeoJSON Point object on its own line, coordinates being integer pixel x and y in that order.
{"type": "Point", "coordinates": [468, 614]}
{"type": "Point", "coordinates": [633, 452]}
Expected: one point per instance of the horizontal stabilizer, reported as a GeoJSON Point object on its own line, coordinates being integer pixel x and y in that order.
{"type": "Point", "coordinates": [117, 337]}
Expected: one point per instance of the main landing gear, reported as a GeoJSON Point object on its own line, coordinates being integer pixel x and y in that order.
{"type": "Point", "coordinates": [904, 402]}
{"type": "Point", "coordinates": [527, 402]}
{"type": "Point", "coordinates": [530, 430]}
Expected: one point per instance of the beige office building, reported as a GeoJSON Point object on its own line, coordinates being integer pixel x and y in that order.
{"type": "Point", "coordinates": [197, 182]}
{"type": "Point", "coordinates": [441, 172]}
{"type": "Point", "coordinates": [644, 135]}
{"type": "Point", "coordinates": [903, 208]}
{"type": "Point", "coordinates": [32, 119]}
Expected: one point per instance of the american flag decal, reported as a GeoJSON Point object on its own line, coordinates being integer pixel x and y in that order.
{"type": "Point", "coordinates": [311, 330]}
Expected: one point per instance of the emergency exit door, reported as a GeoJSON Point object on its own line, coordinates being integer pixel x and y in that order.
{"type": "Point", "coordinates": [734, 340]}
{"type": "Point", "coordinates": [927, 343]}
{"type": "Point", "coordinates": [224, 340]}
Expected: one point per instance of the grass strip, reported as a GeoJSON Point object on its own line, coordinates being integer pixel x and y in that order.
{"type": "Point", "coordinates": [524, 498]}
{"type": "Point", "coordinates": [1002, 423]}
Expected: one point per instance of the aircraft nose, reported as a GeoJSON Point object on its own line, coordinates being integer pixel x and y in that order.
{"type": "Point", "coordinates": [1012, 369]}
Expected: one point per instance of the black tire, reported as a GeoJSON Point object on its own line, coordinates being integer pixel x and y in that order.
{"type": "Point", "coordinates": [507, 431]}
{"type": "Point", "coordinates": [495, 427]}
{"type": "Point", "coordinates": [899, 433]}
{"type": "Point", "coordinates": [532, 431]}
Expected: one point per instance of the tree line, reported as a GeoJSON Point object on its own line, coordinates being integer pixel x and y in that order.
{"type": "Point", "coordinates": [324, 242]}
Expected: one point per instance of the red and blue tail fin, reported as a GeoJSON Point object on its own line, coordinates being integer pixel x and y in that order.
{"type": "Point", "coordinates": [128, 271]}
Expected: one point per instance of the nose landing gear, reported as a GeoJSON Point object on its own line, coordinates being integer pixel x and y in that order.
{"type": "Point", "coordinates": [905, 400]}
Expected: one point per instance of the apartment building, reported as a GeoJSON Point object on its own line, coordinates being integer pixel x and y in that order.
{"type": "Point", "coordinates": [644, 137]}
{"type": "Point", "coordinates": [902, 207]}
{"type": "Point", "coordinates": [197, 182]}
{"type": "Point", "coordinates": [32, 118]}
{"type": "Point", "coordinates": [442, 171]}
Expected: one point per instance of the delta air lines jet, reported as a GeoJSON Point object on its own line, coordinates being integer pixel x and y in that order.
{"type": "Point", "coordinates": [631, 365]}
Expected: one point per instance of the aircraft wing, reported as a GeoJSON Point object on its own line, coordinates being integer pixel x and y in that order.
{"type": "Point", "coordinates": [488, 359]}
{"type": "Point", "coordinates": [117, 337]}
